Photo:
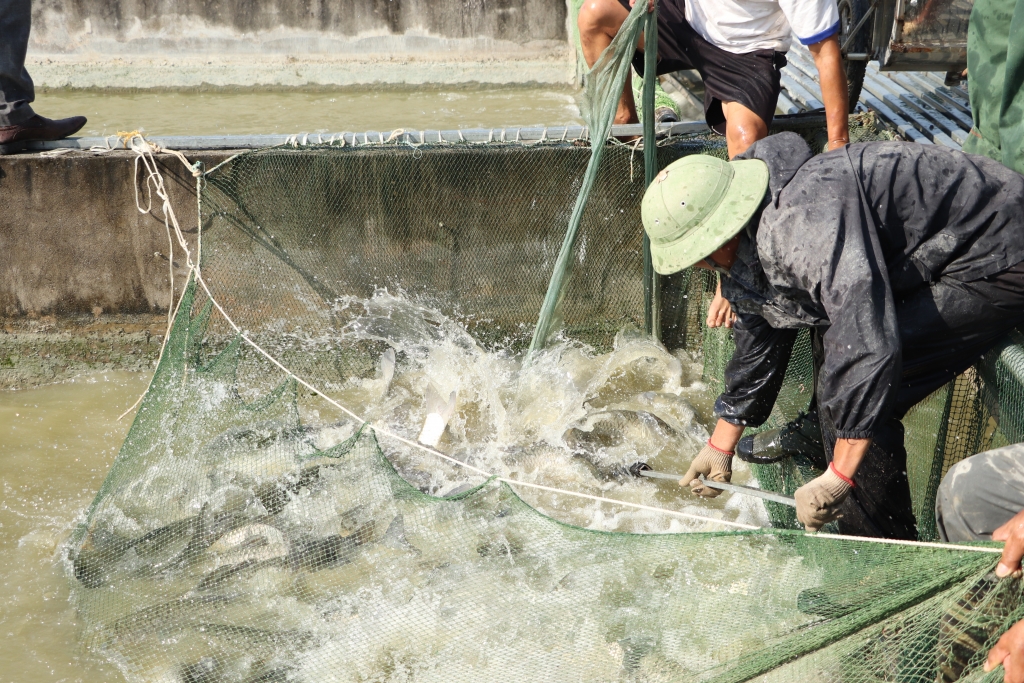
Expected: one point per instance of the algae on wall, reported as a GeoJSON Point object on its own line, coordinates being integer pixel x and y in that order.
{"type": "Point", "coordinates": [42, 350]}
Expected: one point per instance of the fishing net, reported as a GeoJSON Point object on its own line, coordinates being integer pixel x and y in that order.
{"type": "Point", "coordinates": [228, 544]}
{"type": "Point", "coordinates": [271, 517]}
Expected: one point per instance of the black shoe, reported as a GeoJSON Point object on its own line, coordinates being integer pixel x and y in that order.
{"type": "Point", "coordinates": [665, 115]}
{"type": "Point", "coordinates": [36, 129]}
{"type": "Point", "coordinates": [802, 436]}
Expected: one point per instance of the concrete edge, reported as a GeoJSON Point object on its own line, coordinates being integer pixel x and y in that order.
{"type": "Point", "coordinates": [344, 139]}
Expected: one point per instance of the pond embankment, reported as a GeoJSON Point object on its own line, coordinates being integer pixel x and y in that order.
{"type": "Point", "coordinates": [126, 44]}
{"type": "Point", "coordinates": [85, 277]}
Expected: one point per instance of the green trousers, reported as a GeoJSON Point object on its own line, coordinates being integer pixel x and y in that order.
{"type": "Point", "coordinates": [995, 64]}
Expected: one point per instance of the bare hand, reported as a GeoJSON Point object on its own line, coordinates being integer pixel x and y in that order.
{"type": "Point", "coordinates": [1013, 533]}
{"type": "Point", "coordinates": [720, 312]}
{"type": "Point", "coordinates": [650, 5]}
{"type": "Point", "coordinates": [1009, 651]}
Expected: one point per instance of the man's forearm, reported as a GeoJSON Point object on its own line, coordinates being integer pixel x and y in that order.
{"type": "Point", "coordinates": [726, 436]}
{"type": "Point", "coordinates": [848, 455]}
{"type": "Point", "coordinates": [832, 78]}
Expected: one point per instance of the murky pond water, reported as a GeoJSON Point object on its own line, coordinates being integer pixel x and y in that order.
{"type": "Point", "coordinates": [56, 445]}
{"type": "Point", "coordinates": [239, 113]}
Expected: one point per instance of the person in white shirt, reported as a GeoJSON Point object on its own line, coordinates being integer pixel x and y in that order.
{"type": "Point", "coordinates": [739, 48]}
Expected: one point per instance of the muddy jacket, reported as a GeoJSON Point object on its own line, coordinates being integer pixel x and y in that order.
{"type": "Point", "coordinates": [842, 236]}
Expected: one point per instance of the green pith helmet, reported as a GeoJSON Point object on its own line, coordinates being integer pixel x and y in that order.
{"type": "Point", "coordinates": [697, 204]}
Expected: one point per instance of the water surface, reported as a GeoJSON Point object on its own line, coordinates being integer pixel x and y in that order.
{"type": "Point", "coordinates": [255, 112]}
{"type": "Point", "coordinates": [56, 445]}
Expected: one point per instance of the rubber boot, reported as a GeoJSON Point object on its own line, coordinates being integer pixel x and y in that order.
{"type": "Point", "coordinates": [801, 436]}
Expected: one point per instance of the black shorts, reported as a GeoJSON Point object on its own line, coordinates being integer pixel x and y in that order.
{"type": "Point", "coordinates": [751, 78]}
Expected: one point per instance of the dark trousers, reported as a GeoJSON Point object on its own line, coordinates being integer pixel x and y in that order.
{"type": "Point", "coordinates": [16, 89]}
{"type": "Point", "coordinates": [945, 328]}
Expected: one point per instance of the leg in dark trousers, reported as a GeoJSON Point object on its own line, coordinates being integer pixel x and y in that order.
{"type": "Point", "coordinates": [16, 89]}
{"type": "Point", "coordinates": [945, 328]}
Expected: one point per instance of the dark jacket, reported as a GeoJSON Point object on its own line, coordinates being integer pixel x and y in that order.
{"type": "Point", "coordinates": [840, 235]}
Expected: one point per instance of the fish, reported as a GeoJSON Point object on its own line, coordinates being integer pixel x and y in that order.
{"type": "Point", "coordinates": [439, 413]}
{"type": "Point", "coordinates": [103, 549]}
{"type": "Point", "coordinates": [212, 670]}
{"type": "Point", "coordinates": [304, 554]}
{"type": "Point", "coordinates": [165, 616]}
{"type": "Point", "coordinates": [972, 621]}
{"type": "Point", "coordinates": [395, 537]}
{"type": "Point", "coordinates": [162, 549]}
{"type": "Point", "coordinates": [206, 670]}
{"type": "Point", "coordinates": [253, 543]}
{"type": "Point", "coordinates": [314, 554]}
{"type": "Point", "coordinates": [184, 540]}
{"type": "Point", "coordinates": [609, 441]}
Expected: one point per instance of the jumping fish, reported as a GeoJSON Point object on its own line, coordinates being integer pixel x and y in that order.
{"type": "Point", "coordinates": [439, 412]}
{"type": "Point", "coordinates": [184, 540]}
{"type": "Point", "coordinates": [387, 370]}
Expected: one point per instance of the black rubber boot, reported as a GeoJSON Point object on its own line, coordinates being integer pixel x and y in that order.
{"type": "Point", "coordinates": [801, 436]}
{"type": "Point", "coordinates": [665, 115]}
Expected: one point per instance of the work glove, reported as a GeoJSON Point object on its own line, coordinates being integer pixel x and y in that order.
{"type": "Point", "coordinates": [714, 464]}
{"type": "Point", "coordinates": [818, 501]}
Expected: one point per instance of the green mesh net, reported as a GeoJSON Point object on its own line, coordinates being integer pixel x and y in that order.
{"type": "Point", "coordinates": [232, 541]}
{"type": "Point", "coordinates": [270, 516]}
{"type": "Point", "coordinates": [227, 546]}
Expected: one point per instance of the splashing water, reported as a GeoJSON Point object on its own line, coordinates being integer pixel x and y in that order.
{"type": "Point", "coordinates": [234, 542]}
{"type": "Point", "coordinates": [569, 418]}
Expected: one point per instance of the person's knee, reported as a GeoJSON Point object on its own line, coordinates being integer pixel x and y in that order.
{"type": "Point", "coordinates": [980, 494]}
{"type": "Point", "coordinates": [742, 127]}
{"type": "Point", "coordinates": [599, 16]}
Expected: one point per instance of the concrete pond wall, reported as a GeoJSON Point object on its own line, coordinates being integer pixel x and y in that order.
{"type": "Point", "coordinates": [80, 261]}
{"type": "Point", "coordinates": [84, 275]}
{"type": "Point", "coordinates": [245, 43]}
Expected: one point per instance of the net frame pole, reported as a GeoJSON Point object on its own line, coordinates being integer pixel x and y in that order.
{"type": "Point", "coordinates": [652, 288]}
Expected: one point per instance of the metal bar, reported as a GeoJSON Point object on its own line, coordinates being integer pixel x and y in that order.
{"type": "Point", "coordinates": [798, 93]}
{"type": "Point", "coordinates": [857, 28]}
{"type": "Point", "coordinates": [944, 103]}
{"type": "Point", "coordinates": [948, 94]}
{"type": "Point", "coordinates": [955, 132]}
{"type": "Point", "coordinates": [651, 474]}
{"type": "Point", "coordinates": [804, 76]}
{"type": "Point", "coordinates": [902, 126]}
{"type": "Point", "coordinates": [788, 106]}
{"type": "Point", "coordinates": [732, 488]}
{"type": "Point", "coordinates": [406, 137]}
{"type": "Point", "coordinates": [929, 95]}
{"type": "Point", "coordinates": [748, 491]}
{"type": "Point", "coordinates": [652, 298]}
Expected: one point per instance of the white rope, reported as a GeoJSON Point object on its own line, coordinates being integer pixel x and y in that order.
{"type": "Point", "coordinates": [59, 151]}
{"type": "Point", "coordinates": [145, 151]}
{"type": "Point", "coordinates": [915, 544]}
